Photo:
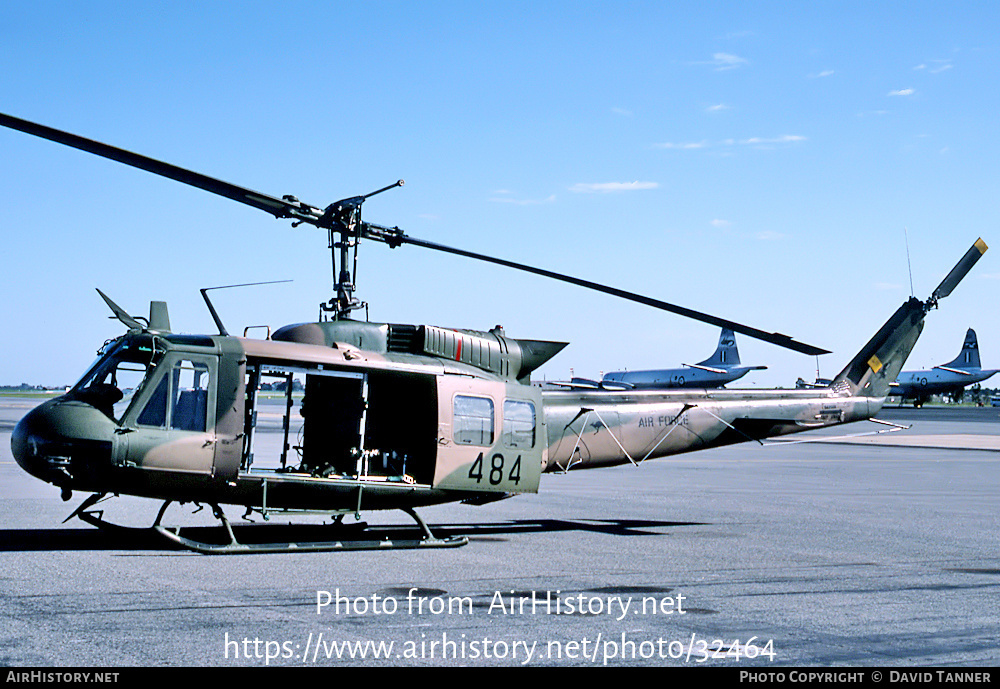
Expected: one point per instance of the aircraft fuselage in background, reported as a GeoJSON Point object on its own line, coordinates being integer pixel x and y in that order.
{"type": "Point", "coordinates": [948, 379]}
{"type": "Point", "coordinates": [714, 372]}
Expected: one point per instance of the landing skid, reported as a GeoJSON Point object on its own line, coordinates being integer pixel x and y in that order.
{"type": "Point", "coordinates": [352, 536]}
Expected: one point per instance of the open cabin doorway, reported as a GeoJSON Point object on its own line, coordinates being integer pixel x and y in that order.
{"type": "Point", "coordinates": [372, 425]}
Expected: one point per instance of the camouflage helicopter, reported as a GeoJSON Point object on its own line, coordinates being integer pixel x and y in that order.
{"type": "Point", "coordinates": [393, 416]}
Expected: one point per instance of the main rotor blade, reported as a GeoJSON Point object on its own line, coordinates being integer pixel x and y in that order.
{"type": "Point", "coordinates": [964, 265]}
{"type": "Point", "coordinates": [120, 313]}
{"type": "Point", "coordinates": [774, 338]}
{"type": "Point", "coordinates": [292, 208]}
{"type": "Point", "coordinates": [280, 208]}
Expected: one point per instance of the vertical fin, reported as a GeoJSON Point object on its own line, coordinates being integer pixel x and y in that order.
{"type": "Point", "coordinates": [969, 356]}
{"type": "Point", "coordinates": [726, 354]}
{"type": "Point", "coordinates": [876, 366]}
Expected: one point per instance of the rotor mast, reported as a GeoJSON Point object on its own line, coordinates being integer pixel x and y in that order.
{"type": "Point", "coordinates": [345, 230]}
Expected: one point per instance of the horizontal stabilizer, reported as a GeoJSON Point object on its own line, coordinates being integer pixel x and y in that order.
{"type": "Point", "coordinates": [954, 370]}
{"type": "Point", "coordinates": [720, 371]}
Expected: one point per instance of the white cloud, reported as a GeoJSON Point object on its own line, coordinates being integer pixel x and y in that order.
{"type": "Point", "coordinates": [770, 236]}
{"type": "Point", "coordinates": [939, 66]}
{"type": "Point", "coordinates": [622, 111]}
{"type": "Point", "coordinates": [683, 146]}
{"type": "Point", "coordinates": [755, 140]}
{"type": "Point", "coordinates": [717, 108]}
{"type": "Point", "coordinates": [723, 61]}
{"type": "Point", "coordinates": [609, 187]}
{"type": "Point", "coordinates": [902, 92]}
{"type": "Point", "coordinates": [787, 138]}
{"type": "Point", "coordinates": [720, 223]}
{"type": "Point", "coordinates": [522, 202]}
{"type": "Point", "coordinates": [820, 75]}
{"type": "Point", "coordinates": [727, 61]}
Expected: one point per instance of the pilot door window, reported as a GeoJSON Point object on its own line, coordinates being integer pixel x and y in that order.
{"type": "Point", "coordinates": [126, 376]}
{"type": "Point", "coordinates": [473, 419]}
{"type": "Point", "coordinates": [180, 401]}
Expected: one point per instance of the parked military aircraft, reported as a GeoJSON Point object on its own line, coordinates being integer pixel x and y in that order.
{"type": "Point", "coordinates": [714, 372]}
{"type": "Point", "coordinates": [393, 416]}
{"type": "Point", "coordinates": [948, 379]}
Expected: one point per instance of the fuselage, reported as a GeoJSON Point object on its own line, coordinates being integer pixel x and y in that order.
{"type": "Point", "coordinates": [912, 384]}
{"type": "Point", "coordinates": [176, 417]}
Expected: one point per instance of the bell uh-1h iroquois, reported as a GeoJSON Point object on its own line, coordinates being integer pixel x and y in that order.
{"type": "Point", "coordinates": [946, 379]}
{"type": "Point", "coordinates": [393, 416]}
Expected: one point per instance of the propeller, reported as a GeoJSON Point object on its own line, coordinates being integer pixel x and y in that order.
{"type": "Point", "coordinates": [343, 218]}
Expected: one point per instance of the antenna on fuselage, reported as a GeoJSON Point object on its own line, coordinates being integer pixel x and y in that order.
{"type": "Point", "coordinates": [211, 308]}
{"type": "Point", "coordinates": [909, 267]}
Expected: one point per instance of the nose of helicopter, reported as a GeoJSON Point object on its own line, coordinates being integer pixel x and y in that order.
{"type": "Point", "coordinates": [24, 441]}
{"type": "Point", "coordinates": [59, 440]}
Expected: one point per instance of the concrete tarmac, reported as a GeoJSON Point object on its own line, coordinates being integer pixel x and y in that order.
{"type": "Point", "coordinates": [845, 552]}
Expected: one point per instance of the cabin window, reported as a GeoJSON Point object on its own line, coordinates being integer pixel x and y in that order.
{"type": "Point", "coordinates": [473, 419]}
{"type": "Point", "coordinates": [189, 403]}
{"type": "Point", "coordinates": [518, 424]}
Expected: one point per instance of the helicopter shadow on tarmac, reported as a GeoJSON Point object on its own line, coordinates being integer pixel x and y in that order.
{"type": "Point", "coordinates": [112, 537]}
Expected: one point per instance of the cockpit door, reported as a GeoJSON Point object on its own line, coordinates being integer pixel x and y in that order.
{"type": "Point", "coordinates": [171, 427]}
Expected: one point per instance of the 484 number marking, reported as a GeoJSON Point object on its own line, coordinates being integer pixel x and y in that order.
{"type": "Point", "coordinates": [494, 472]}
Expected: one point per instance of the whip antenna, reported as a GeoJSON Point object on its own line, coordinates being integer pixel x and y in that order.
{"type": "Point", "coordinates": [909, 267]}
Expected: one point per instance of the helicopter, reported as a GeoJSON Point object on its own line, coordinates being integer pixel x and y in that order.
{"type": "Point", "coordinates": [389, 416]}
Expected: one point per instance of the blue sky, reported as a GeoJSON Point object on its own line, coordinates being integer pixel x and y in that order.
{"type": "Point", "coordinates": [757, 161]}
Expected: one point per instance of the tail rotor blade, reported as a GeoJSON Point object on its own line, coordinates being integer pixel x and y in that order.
{"type": "Point", "coordinates": [960, 270]}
